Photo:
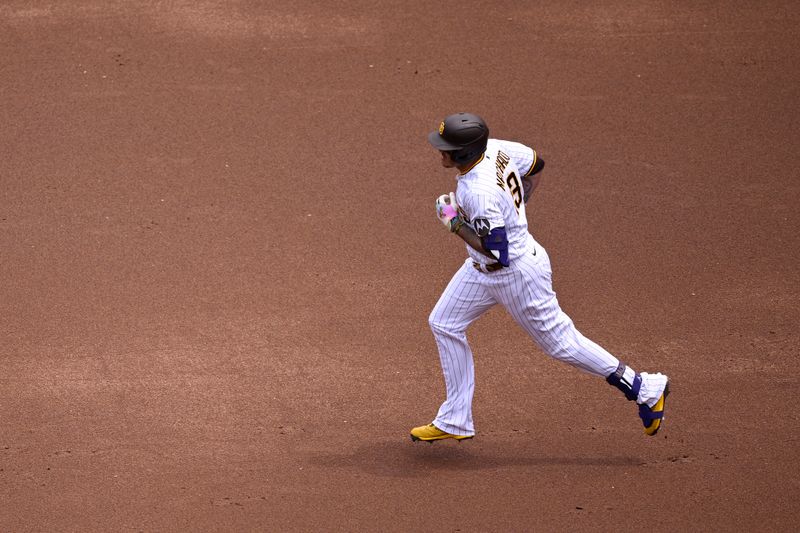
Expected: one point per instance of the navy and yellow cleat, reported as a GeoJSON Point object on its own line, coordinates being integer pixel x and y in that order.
{"type": "Point", "coordinates": [653, 417]}
{"type": "Point", "coordinates": [431, 433]}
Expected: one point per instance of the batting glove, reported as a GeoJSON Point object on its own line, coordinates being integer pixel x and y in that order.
{"type": "Point", "coordinates": [447, 212]}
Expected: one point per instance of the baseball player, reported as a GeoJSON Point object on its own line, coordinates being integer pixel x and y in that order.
{"type": "Point", "coordinates": [507, 266]}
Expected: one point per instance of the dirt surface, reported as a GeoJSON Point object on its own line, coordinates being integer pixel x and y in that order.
{"type": "Point", "coordinates": [219, 252]}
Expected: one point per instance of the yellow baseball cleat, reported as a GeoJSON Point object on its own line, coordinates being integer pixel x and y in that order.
{"type": "Point", "coordinates": [652, 417]}
{"type": "Point", "coordinates": [431, 433]}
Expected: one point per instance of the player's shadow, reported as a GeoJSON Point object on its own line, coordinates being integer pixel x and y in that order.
{"type": "Point", "coordinates": [406, 459]}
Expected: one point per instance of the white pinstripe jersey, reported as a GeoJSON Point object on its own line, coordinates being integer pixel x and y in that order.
{"type": "Point", "coordinates": [491, 191]}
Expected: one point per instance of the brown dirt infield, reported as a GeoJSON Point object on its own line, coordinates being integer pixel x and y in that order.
{"type": "Point", "coordinates": [219, 252]}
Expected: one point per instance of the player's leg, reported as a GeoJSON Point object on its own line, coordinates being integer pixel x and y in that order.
{"type": "Point", "coordinates": [462, 302]}
{"type": "Point", "coordinates": [526, 292]}
{"type": "Point", "coordinates": [528, 295]}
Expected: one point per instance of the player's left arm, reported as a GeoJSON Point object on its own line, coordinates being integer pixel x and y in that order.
{"type": "Point", "coordinates": [491, 243]}
{"type": "Point", "coordinates": [479, 243]}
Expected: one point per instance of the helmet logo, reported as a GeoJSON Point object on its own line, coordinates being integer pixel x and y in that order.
{"type": "Point", "coordinates": [441, 128]}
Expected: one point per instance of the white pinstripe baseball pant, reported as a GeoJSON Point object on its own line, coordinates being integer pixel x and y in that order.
{"type": "Point", "coordinates": [525, 290]}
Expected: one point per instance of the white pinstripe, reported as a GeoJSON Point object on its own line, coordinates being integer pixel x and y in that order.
{"type": "Point", "coordinates": [524, 289]}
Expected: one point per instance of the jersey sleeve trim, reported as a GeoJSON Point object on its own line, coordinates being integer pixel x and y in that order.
{"type": "Point", "coordinates": [533, 165]}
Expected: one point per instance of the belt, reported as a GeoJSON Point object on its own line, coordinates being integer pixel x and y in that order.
{"type": "Point", "coordinates": [491, 267]}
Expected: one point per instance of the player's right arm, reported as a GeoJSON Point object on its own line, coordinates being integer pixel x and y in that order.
{"type": "Point", "coordinates": [531, 180]}
{"type": "Point", "coordinates": [529, 163]}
